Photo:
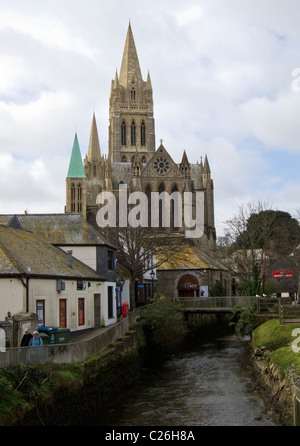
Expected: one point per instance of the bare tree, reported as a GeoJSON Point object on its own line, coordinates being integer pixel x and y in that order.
{"type": "Point", "coordinates": [248, 247]}
{"type": "Point", "coordinates": [141, 249]}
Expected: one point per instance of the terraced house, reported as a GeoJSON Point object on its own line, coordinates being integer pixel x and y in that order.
{"type": "Point", "coordinates": [58, 267]}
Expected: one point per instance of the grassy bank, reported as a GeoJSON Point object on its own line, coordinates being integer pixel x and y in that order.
{"type": "Point", "coordinates": [278, 340]}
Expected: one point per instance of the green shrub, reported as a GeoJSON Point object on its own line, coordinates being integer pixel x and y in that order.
{"type": "Point", "coordinates": [243, 320]}
{"type": "Point", "coordinates": [163, 324]}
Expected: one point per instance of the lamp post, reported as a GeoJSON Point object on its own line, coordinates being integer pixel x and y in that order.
{"type": "Point", "coordinates": [152, 275]}
{"type": "Point", "coordinates": [120, 284]}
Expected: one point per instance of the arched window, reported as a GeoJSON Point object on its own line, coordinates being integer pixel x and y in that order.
{"type": "Point", "coordinates": [143, 134]}
{"type": "Point", "coordinates": [123, 133]}
{"type": "Point", "coordinates": [144, 160]}
{"type": "Point", "coordinates": [94, 170]}
{"type": "Point", "coordinates": [79, 195]}
{"type": "Point", "coordinates": [133, 134]}
{"type": "Point", "coordinates": [132, 94]}
{"type": "Point", "coordinates": [124, 159]}
{"type": "Point", "coordinates": [73, 198]}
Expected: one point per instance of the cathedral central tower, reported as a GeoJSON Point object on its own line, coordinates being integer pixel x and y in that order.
{"type": "Point", "coordinates": [131, 121]}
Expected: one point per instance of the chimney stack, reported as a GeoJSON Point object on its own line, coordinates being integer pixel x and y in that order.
{"type": "Point", "coordinates": [70, 259]}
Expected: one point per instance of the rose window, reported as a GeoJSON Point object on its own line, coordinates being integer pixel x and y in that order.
{"type": "Point", "coordinates": [161, 165]}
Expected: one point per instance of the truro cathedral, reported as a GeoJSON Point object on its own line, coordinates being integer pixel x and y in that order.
{"type": "Point", "coordinates": [133, 159]}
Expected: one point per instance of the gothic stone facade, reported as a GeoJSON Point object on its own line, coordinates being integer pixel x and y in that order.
{"type": "Point", "coordinates": [132, 155]}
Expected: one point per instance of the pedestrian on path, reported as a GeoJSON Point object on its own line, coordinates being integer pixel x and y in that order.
{"type": "Point", "coordinates": [36, 340]}
{"type": "Point", "coordinates": [26, 338]}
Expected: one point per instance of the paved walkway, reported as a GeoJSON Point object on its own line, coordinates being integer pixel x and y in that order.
{"type": "Point", "coordinates": [89, 333]}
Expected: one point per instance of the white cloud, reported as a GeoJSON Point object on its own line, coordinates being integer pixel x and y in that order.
{"type": "Point", "coordinates": [221, 74]}
{"type": "Point", "coordinates": [48, 31]}
{"type": "Point", "coordinates": [275, 122]}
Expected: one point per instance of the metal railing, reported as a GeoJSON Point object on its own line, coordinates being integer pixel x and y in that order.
{"type": "Point", "coordinates": [217, 302]}
{"type": "Point", "coordinates": [289, 314]}
{"type": "Point", "coordinates": [65, 353]}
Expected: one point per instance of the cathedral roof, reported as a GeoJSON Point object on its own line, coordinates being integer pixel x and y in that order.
{"type": "Point", "coordinates": [76, 169]}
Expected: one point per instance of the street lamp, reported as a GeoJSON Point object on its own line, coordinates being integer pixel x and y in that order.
{"type": "Point", "coordinates": [120, 284]}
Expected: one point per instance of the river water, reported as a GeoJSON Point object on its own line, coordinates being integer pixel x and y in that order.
{"type": "Point", "coordinates": [210, 385]}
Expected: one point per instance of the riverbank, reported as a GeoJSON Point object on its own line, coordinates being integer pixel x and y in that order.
{"type": "Point", "coordinates": [61, 395]}
{"type": "Point", "coordinates": [276, 367]}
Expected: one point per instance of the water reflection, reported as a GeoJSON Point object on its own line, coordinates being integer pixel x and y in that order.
{"type": "Point", "coordinates": [208, 386]}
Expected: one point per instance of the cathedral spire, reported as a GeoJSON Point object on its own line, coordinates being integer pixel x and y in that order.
{"type": "Point", "coordinates": [94, 146]}
{"type": "Point", "coordinates": [76, 169]}
{"type": "Point", "coordinates": [206, 168]}
{"type": "Point", "coordinates": [130, 67]}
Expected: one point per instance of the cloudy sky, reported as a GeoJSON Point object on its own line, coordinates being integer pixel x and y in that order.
{"type": "Point", "coordinates": [226, 83]}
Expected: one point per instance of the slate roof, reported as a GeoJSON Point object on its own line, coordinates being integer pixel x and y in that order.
{"type": "Point", "coordinates": [190, 257]}
{"type": "Point", "coordinates": [58, 229]}
{"type": "Point", "coordinates": [25, 253]}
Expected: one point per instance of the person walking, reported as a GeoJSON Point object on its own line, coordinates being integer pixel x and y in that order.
{"type": "Point", "coordinates": [36, 340]}
{"type": "Point", "coordinates": [26, 338]}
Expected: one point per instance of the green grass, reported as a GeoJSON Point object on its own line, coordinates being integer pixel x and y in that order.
{"type": "Point", "coordinates": [278, 339]}
{"type": "Point", "coordinates": [283, 357]}
{"type": "Point", "coordinates": [273, 335]}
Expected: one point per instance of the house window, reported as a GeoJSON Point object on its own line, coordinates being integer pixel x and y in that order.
{"type": "Point", "coordinates": [40, 311]}
{"type": "Point", "coordinates": [81, 285]}
{"type": "Point", "coordinates": [133, 134]}
{"type": "Point", "coordinates": [123, 134]}
{"type": "Point", "coordinates": [81, 311]}
{"type": "Point", "coordinates": [143, 134]}
{"type": "Point", "coordinates": [110, 260]}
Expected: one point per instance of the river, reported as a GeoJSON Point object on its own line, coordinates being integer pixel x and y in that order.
{"type": "Point", "coordinates": [211, 385]}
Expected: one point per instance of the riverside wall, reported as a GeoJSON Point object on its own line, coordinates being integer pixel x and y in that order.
{"type": "Point", "coordinates": [278, 390]}
{"type": "Point", "coordinates": [76, 390]}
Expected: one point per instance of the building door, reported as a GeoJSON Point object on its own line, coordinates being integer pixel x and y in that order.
{"type": "Point", "coordinates": [81, 311]}
{"type": "Point", "coordinates": [63, 313]}
{"type": "Point", "coordinates": [188, 286]}
{"type": "Point", "coordinates": [110, 302]}
{"type": "Point", "coordinates": [97, 310]}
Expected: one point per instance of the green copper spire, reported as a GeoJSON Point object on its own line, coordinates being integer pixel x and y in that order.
{"type": "Point", "coordinates": [76, 169]}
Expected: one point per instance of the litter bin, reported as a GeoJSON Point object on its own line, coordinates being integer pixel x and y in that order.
{"type": "Point", "coordinates": [48, 331]}
{"type": "Point", "coordinates": [45, 338]}
{"type": "Point", "coordinates": [61, 336]}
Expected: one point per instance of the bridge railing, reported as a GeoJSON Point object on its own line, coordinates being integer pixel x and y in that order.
{"type": "Point", "coordinates": [217, 302]}
{"type": "Point", "coordinates": [271, 304]}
